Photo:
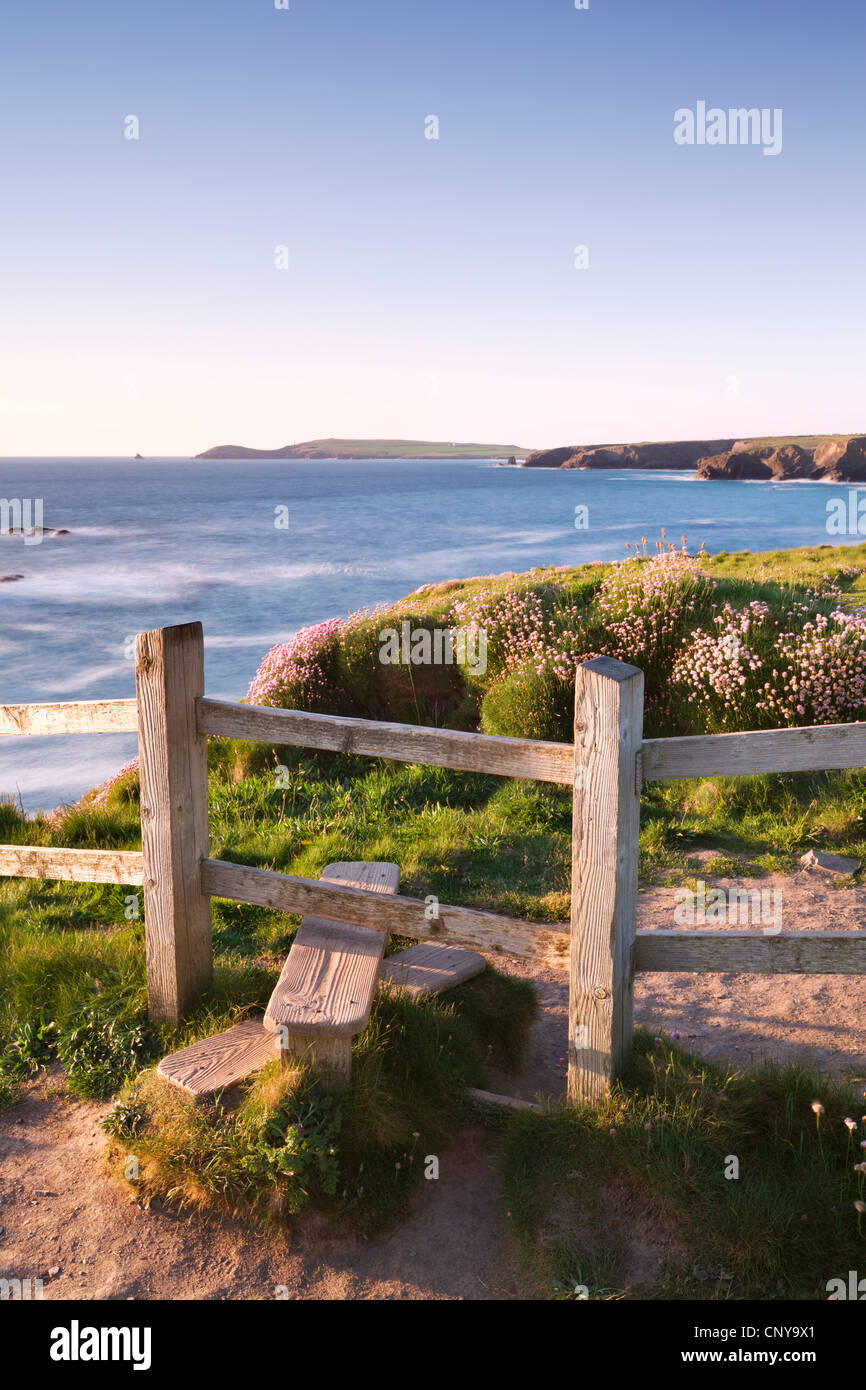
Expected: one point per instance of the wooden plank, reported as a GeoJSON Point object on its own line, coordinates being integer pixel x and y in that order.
{"type": "Point", "coordinates": [311, 973]}
{"type": "Point", "coordinates": [429, 968]}
{"type": "Point", "coordinates": [457, 926]}
{"type": "Point", "coordinates": [513, 1103]}
{"type": "Point", "coordinates": [169, 670]}
{"type": "Point", "coordinates": [331, 1058]}
{"type": "Point", "coordinates": [73, 865]}
{"type": "Point", "coordinates": [751, 952]}
{"type": "Point", "coordinates": [809, 749]}
{"type": "Point", "coordinates": [605, 823]}
{"type": "Point", "coordinates": [325, 992]}
{"type": "Point", "coordinates": [213, 1064]}
{"type": "Point", "coordinates": [328, 981]}
{"type": "Point", "coordinates": [408, 743]}
{"type": "Point", "coordinates": [377, 876]}
{"type": "Point", "coordinates": [74, 717]}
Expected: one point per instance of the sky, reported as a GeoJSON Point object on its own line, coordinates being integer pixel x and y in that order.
{"type": "Point", "coordinates": [432, 287]}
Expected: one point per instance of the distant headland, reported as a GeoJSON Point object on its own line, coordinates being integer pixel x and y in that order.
{"type": "Point", "coordinates": [368, 449]}
{"type": "Point", "coordinates": [834, 458]}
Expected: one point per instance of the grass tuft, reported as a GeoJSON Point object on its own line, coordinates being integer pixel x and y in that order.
{"type": "Point", "coordinates": [672, 1135]}
{"type": "Point", "coordinates": [283, 1142]}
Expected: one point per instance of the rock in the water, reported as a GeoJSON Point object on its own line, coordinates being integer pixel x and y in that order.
{"type": "Point", "coordinates": [820, 860]}
{"type": "Point", "coordinates": [10, 578]}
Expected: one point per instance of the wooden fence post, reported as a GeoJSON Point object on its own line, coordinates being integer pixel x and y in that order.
{"type": "Point", "coordinates": [169, 676]}
{"type": "Point", "coordinates": [608, 730]}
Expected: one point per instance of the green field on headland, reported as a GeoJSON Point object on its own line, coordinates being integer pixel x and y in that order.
{"type": "Point", "coordinates": [369, 449]}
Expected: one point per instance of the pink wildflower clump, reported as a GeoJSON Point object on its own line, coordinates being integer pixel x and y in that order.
{"type": "Point", "coordinates": [718, 667]}
{"type": "Point", "coordinates": [760, 668]}
{"type": "Point", "coordinates": [520, 632]}
{"type": "Point", "coordinates": [819, 670]}
{"type": "Point", "coordinates": [99, 795]}
{"type": "Point", "coordinates": [295, 674]}
{"type": "Point", "coordinates": [648, 601]}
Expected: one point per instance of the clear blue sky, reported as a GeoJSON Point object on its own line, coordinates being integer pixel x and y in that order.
{"type": "Point", "coordinates": [431, 290]}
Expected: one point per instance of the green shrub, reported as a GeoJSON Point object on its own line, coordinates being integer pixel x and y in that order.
{"type": "Point", "coordinates": [296, 1139]}
{"type": "Point", "coordinates": [432, 693]}
{"type": "Point", "coordinates": [527, 704]}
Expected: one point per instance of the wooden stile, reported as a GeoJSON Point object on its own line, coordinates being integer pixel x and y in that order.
{"type": "Point", "coordinates": [169, 671]}
{"type": "Point", "coordinates": [608, 722]}
{"type": "Point", "coordinates": [429, 968]}
{"type": "Point", "coordinates": [324, 994]}
{"type": "Point", "coordinates": [216, 1063]}
{"type": "Point", "coordinates": [328, 981]}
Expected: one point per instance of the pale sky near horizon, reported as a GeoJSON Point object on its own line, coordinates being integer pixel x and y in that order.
{"type": "Point", "coordinates": [431, 290]}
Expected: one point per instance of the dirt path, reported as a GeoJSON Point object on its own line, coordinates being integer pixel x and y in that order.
{"type": "Point", "coordinates": [731, 1018]}
{"type": "Point", "coordinates": [59, 1211]}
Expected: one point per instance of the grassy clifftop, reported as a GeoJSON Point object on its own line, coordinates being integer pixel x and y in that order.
{"type": "Point", "coordinates": [72, 977]}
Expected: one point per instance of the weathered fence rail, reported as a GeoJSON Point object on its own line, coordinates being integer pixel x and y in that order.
{"type": "Point", "coordinates": [77, 865]}
{"type": "Point", "coordinates": [74, 717]}
{"type": "Point", "coordinates": [456, 926]}
{"type": "Point", "coordinates": [816, 748]}
{"type": "Point", "coordinates": [404, 743]}
{"type": "Point", "coordinates": [600, 947]}
{"type": "Point", "coordinates": [752, 952]}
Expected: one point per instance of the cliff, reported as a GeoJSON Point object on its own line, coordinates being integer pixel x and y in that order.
{"type": "Point", "coordinates": [678, 453]}
{"type": "Point", "coordinates": [832, 459]}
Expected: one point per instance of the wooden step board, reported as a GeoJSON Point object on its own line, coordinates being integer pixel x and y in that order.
{"type": "Point", "coordinates": [219, 1062]}
{"type": "Point", "coordinates": [375, 876]}
{"type": "Point", "coordinates": [429, 969]}
{"type": "Point", "coordinates": [328, 981]}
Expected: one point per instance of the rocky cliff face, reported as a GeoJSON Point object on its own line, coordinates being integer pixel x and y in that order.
{"type": "Point", "coordinates": [678, 453]}
{"type": "Point", "coordinates": [831, 460]}
{"type": "Point", "coordinates": [837, 460]}
{"type": "Point", "coordinates": [842, 460]}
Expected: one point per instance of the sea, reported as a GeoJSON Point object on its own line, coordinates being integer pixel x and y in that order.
{"type": "Point", "coordinates": [258, 548]}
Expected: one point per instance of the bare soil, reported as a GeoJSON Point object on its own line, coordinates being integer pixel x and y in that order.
{"type": "Point", "coordinates": [59, 1211]}
{"type": "Point", "coordinates": [741, 1019]}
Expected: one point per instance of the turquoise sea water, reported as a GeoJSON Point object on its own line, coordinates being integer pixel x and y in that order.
{"type": "Point", "coordinates": [171, 540]}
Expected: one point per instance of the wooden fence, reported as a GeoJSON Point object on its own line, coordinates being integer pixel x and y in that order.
{"type": "Point", "coordinates": [605, 766]}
